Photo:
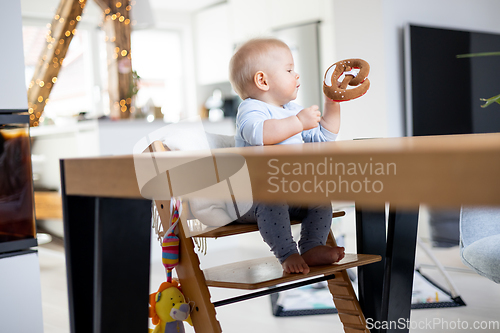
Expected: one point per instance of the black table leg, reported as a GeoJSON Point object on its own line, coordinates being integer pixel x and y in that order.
{"type": "Point", "coordinates": [108, 256]}
{"type": "Point", "coordinates": [79, 230]}
{"type": "Point", "coordinates": [399, 268]}
{"type": "Point", "coordinates": [122, 257]}
{"type": "Point", "coordinates": [385, 288]}
{"type": "Point", "coordinates": [371, 239]}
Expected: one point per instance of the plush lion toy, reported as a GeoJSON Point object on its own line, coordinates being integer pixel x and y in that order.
{"type": "Point", "coordinates": [168, 309]}
{"type": "Point", "coordinates": [338, 91]}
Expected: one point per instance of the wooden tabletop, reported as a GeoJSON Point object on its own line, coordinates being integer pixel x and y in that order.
{"type": "Point", "coordinates": [442, 171]}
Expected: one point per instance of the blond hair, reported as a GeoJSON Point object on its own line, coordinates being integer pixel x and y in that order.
{"type": "Point", "coordinates": [248, 60]}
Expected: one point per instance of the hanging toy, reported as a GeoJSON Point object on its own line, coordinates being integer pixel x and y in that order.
{"type": "Point", "coordinates": [170, 244]}
{"type": "Point", "coordinates": [355, 73]}
{"type": "Point", "coordinates": [168, 309]}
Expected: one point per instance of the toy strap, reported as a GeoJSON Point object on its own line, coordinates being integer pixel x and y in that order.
{"type": "Point", "coordinates": [175, 215]}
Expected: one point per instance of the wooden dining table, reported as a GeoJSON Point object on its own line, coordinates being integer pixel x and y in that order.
{"type": "Point", "coordinates": [107, 218]}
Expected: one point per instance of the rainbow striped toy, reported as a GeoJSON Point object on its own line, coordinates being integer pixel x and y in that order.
{"type": "Point", "coordinates": [170, 244]}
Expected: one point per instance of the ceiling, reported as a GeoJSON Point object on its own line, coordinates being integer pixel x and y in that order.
{"type": "Point", "coordinates": [182, 5]}
{"type": "Point", "coordinates": [41, 7]}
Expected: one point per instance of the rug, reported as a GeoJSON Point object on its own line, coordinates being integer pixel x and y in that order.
{"type": "Point", "coordinates": [316, 299]}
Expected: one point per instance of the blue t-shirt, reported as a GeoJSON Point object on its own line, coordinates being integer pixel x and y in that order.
{"type": "Point", "coordinates": [250, 123]}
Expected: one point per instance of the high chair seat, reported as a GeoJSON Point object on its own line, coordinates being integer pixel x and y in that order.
{"type": "Point", "coordinates": [241, 228]}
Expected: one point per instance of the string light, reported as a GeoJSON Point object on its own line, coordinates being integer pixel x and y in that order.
{"type": "Point", "coordinates": [55, 59]}
{"type": "Point", "coordinates": [118, 13]}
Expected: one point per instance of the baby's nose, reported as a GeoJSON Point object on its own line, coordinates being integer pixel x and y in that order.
{"type": "Point", "coordinates": [297, 75]}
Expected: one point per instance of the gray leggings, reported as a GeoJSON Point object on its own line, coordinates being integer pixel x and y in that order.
{"type": "Point", "coordinates": [273, 221]}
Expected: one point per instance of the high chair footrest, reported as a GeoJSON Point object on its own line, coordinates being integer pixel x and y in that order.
{"type": "Point", "coordinates": [267, 272]}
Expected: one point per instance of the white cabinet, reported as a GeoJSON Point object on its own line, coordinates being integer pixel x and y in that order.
{"type": "Point", "coordinates": [20, 293]}
{"type": "Point", "coordinates": [54, 142]}
{"type": "Point", "coordinates": [213, 44]}
{"type": "Point", "coordinates": [12, 86]}
{"type": "Point", "coordinates": [249, 19]}
{"type": "Point", "coordinates": [256, 18]}
{"type": "Point", "coordinates": [220, 28]}
{"type": "Point", "coordinates": [287, 13]}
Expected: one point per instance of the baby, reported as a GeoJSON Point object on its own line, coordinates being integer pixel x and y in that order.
{"type": "Point", "coordinates": [262, 73]}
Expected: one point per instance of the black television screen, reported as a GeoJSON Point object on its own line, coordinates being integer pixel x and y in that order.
{"type": "Point", "coordinates": [443, 91]}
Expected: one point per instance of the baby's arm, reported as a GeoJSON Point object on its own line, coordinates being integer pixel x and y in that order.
{"type": "Point", "coordinates": [331, 116]}
{"type": "Point", "coordinates": [278, 130]}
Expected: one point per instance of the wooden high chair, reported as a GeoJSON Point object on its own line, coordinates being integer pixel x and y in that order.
{"type": "Point", "coordinates": [264, 273]}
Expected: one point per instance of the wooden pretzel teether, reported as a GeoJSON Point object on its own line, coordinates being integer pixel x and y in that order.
{"type": "Point", "coordinates": [360, 80]}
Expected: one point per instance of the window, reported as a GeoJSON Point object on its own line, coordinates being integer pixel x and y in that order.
{"type": "Point", "coordinates": [157, 58]}
{"type": "Point", "coordinates": [72, 92]}
{"type": "Point", "coordinates": [82, 82]}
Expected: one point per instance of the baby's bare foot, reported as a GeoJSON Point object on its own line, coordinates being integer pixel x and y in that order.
{"type": "Point", "coordinates": [323, 255]}
{"type": "Point", "coordinates": [295, 264]}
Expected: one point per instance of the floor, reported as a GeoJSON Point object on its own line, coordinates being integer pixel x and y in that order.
{"type": "Point", "coordinates": [481, 295]}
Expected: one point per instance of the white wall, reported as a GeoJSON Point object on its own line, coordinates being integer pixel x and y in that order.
{"type": "Point", "coordinates": [13, 93]}
{"type": "Point", "coordinates": [373, 30]}
{"type": "Point", "coordinates": [358, 33]}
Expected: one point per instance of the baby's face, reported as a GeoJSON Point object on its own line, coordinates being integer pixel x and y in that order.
{"type": "Point", "coordinates": [283, 80]}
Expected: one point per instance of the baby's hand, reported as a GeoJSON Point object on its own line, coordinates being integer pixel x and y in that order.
{"type": "Point", "coordinates": [309, 117]}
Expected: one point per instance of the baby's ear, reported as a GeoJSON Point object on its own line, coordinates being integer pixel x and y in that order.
{"type": "Point", "coordinates": [260, 80]}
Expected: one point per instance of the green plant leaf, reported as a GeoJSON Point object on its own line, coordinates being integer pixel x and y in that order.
{"type": "Point", "coordinates": [490, 100]}
{"type": "Point", "coordinates": [482, 54]}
